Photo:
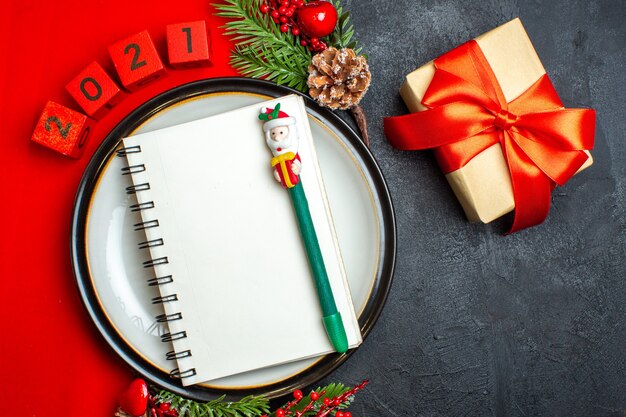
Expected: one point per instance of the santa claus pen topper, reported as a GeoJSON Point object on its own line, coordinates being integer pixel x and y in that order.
{"type": "Point", "coordinates": [281, 135]}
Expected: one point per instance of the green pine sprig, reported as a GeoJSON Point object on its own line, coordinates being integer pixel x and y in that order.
{"type": "Point", "coordinates": [262, 50]}
{"type": "Point", "coordinates": [344, 31]}
{"type": "Point", "coordinates": [265, 62]}
{"type": "Point", "coordinates": [255, 406]}
{"type": "Point", "coordinates": [250, 406]}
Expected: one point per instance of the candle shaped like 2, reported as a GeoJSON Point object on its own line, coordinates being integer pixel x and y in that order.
{"type": "Point", "coordinates": [281, 137]}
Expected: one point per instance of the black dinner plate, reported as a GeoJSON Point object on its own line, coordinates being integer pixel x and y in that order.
{"type": "Point", "coordinates": [106, 151]}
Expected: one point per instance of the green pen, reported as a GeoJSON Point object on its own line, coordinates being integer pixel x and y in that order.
{"type": "Point", "coordinates": [279, 131]}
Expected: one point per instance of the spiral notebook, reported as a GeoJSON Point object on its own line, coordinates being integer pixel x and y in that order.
{"type": "Point", "coordinates": [225, 248]}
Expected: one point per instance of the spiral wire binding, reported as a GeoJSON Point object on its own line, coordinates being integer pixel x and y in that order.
{"type": "Point", "coordinates": [171, 355]}
{"type": "Point", "coordinates": [134, 189]}
{"type": "Point", "coordinates": [169, 337]}
{"type": "Point", "coordinates": [150, 243]}
{"type": "Point", "coordinates": [160, 280]}
{"type": "Point", "coordinates": [164, 318]}
{"type": "Point", "coordinates": [133, 169]}
{"type": "Point", "coordinates": [156, 261]}
{"type": "Point", "coordinates": [142, 206]}
{"type": "Point", "coordinates": [146, 225]}
{"type": "Point", "coordinates": [165, 299]}
{"type": "Point", "coordinates": [177, 374]}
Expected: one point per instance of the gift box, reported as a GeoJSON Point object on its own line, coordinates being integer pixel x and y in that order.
{"type": "Point", "coordinates": [498, 129]}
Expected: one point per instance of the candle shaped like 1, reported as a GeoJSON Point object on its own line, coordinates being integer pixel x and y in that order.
{"type": "Point", "coordinates": [281, 137]}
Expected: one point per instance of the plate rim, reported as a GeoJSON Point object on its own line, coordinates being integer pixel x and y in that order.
{"type": "Point", "coordinates": [91, 176]}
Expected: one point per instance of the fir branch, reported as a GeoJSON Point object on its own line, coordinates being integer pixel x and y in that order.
{"type": "Point", "coordinates": [250, 406]}
{"type": "Point", "coordinates": [344, 31]}
{"type": "Point", "coordinates": [265, 62]}
{"type": "Point", "coordinates": [262, 50]}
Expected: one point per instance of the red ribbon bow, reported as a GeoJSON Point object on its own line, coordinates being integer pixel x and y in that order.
{"type": "Point", "coordinates": [542, 142]}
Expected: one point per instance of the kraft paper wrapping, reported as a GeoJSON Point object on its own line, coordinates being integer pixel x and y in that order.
{"type": "Point", "coordinates": [483, 185]}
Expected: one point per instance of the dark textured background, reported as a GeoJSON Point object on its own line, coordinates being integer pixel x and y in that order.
{"type": "Point", "coordinates": [478, 324]}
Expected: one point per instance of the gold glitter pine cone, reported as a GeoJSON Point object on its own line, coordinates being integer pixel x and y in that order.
{"type": "Point", "coordinates": [338, 78]}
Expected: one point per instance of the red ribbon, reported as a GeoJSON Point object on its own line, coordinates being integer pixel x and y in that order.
{"type": "Point", "coordinates": [542, 142]}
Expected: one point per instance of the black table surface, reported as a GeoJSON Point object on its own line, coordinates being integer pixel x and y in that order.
{"type": "Point", "coordinates": [480, 324]}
